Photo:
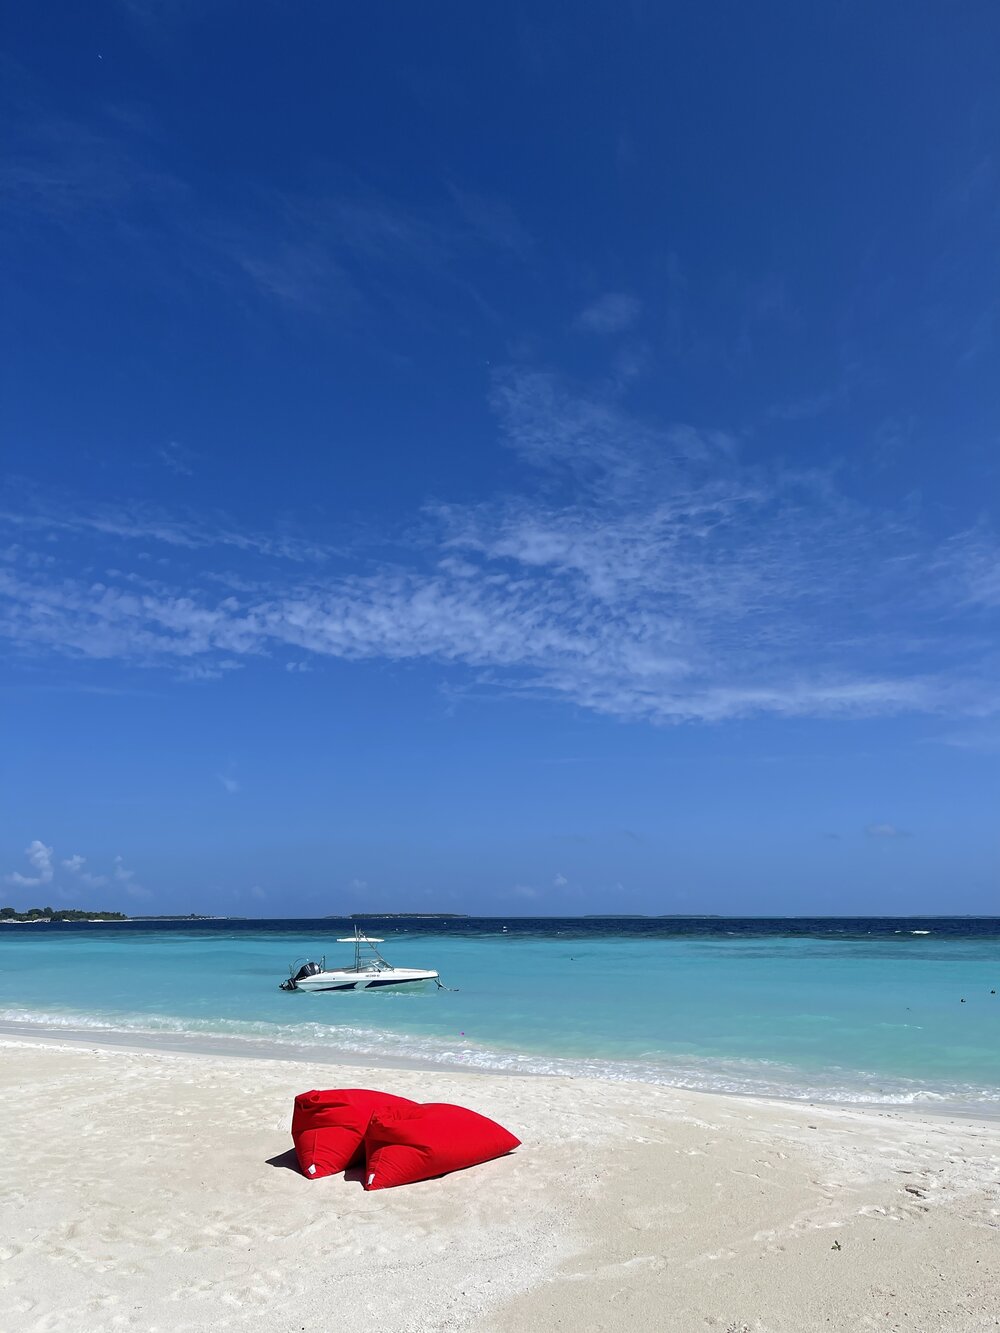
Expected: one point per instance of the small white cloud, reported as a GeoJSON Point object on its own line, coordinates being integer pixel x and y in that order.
{"type": "Point", "coordinates": [40, 857]}
{"type": "Point", "coordinates": [458, 568]}
{"type": "Point", "coordinates": [74, 864]}
{"type": "Point", "coordinates": [560, 881]}
{"type": "Point", "coordinates": [216, 671]}
{"type": "Point", "coordinates": [137, 891]}
{"type": "Point", "coordinates": [885, 831]}
{"type": "Point", "coordinates": [523, 891]}
{"type": "Point", "coordinates": [358, 885]}
{"type": "Point", "coordinates": [297, 667]}
{"type": "Point", "coordinates": [120, 872]}
{"type": "Point", "coordinates": [230, 784]}
{"type": "Point", "coordinates": [612, 313]}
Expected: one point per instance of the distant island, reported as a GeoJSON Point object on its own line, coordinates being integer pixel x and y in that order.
{"type": "Point", "coordinates": [401, 916]}
{"type": "Point", "coordinates": [187, 916]}
{"type": "Point", "coordinates": [9, 914]}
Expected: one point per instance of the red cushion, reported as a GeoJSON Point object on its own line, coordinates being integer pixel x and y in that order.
{"type": "Point", "coordinates": [416, 1142]}
{"type": "Point", "coordinates": [328, 1128]}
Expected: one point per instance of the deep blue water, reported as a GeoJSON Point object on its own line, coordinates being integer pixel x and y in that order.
{"type": "Point", "coordinates": [855, 1009]}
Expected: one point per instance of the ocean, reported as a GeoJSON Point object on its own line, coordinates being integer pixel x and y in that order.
{"type": "Point", "coordinates": [860, 1010]}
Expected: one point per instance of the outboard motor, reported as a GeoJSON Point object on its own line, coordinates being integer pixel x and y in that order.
{"type": "Point", "coordinates": [306, 970]}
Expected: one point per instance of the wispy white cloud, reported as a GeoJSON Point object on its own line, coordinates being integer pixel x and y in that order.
{"type": "Point", "coordinates": [304, 275]}
{"type": "Point", "coordinates": [337, 246]}
{"type": "Point", "coordinates": [175, 458]}
{"type": "Point", "coordinates": [341, 250]}
{"type": "Point", "coordinates": [614, 312]}
{"type": "Point", "coordinates": [971, 560]}
{"type": "Point", "coordinates": [57, 171]}
{"type": "Point", "coordinates": [652, 573]}
{"type": "Point", "coordinates": [493, 220]}
{"type": "Point", "coordinates": [981, 740]}
{"type": "Point", "coordinates": [885, 831]}
{"type": "Point", "coordinates": [229, 783]}
{"type": "Point", "coordinates": [152, 528]}
{"type": "Point", "coordinates": [804, 409]}
{"type": "Point", "coordinates": [74, 864]}
{"type": "Point", "coordinates": [126, 878]}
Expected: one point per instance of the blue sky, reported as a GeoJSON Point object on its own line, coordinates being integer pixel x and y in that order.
{"type": "Point", "coordinates": [538, 458]}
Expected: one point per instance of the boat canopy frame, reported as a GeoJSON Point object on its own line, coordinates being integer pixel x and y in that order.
{"type": "Point", "coordinates": [362, 941]}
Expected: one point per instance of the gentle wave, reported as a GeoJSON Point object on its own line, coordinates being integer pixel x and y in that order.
{"type": "Point", "coordinates": [760, 1078]}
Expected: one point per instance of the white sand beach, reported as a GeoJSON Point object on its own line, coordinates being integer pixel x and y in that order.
{"type": "Point", "coordinates": [148, 1190]}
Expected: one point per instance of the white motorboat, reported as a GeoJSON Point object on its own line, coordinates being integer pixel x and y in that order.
{"type": "Point", "coordinates": [370, 970]}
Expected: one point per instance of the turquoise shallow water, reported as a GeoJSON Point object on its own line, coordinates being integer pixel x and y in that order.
{"type": "Point", "coordinates": [845, 1013]}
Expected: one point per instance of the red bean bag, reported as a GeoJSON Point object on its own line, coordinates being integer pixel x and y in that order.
{"type": "Point", "coordinates": [328, 1128]}
{"type": "Point", "coordinates": [408, 1143]}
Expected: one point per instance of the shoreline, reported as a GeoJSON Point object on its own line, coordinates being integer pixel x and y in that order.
{"type": "Point", "coordinates": [205, 1046]}
{"type": "Point", "coordinates": [142, 1187]}
{"type": "Point", "coordinates": [230, 1047]}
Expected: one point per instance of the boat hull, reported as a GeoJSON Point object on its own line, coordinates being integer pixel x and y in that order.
{"type": "Point", "coordinates": [389, 978]}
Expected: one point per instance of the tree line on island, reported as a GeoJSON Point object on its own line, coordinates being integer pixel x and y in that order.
{"type": "Point", "coordinates": [64, 914]}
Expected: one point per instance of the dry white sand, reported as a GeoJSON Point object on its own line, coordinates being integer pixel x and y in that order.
{"type": "Point", "coordinates": [154, 1191]}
